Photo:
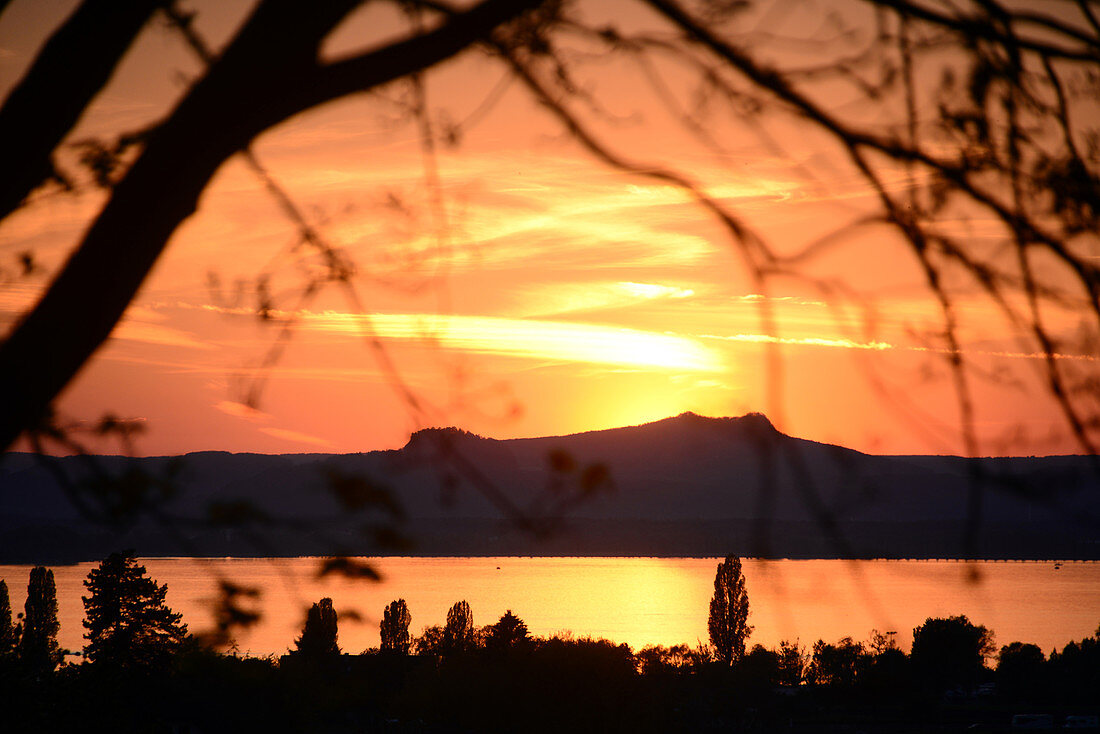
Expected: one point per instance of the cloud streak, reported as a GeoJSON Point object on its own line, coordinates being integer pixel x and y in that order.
{"type": "Point", "coordinates": [557, 299]}
{"type": "Point", "coordinates": [139, 324]}
{"type": "Point", "coordinates": [881, 346]}
{"type": "Point", "coordinates": [553, 340]}
{"type": "Point", "coordinates": [149, 333]}
{"type": "Point", "coordinates": [803, 341]}
{"type": "Point", "coordinates": [296, 437]}
{"type": "Point", "coordinates": [531, 338]}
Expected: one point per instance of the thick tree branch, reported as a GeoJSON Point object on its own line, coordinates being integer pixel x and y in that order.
{"type": "Point", "coordinates": [458, 32]}
{"type": "Point", "coordinates": [266, 75]}
{"type": "Point", "coordinates": [71, 69]}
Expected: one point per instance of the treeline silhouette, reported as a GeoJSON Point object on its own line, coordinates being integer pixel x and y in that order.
{"type": "Point", "coordinates": [142, 671]}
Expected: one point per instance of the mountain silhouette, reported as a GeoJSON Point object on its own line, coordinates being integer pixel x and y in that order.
{"type": "Point", "coordinates": [686, 485]}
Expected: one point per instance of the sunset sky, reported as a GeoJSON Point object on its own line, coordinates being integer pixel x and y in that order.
{"type": "Point", "coordinates": [533, 292]}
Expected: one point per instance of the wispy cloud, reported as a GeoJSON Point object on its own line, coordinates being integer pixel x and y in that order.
{"type": "Point", "coordinates": [140, 323]}
{"type": "Point", "coordinates": [547, 213]}
{"type": "Point", "coordinates": [554, 340]}
{"type": "Point", "coordinates": [532, 338]}
{"type": "Point", "coordinates": [795, 300]}
{"type": "Point", "coordinates": [149, 333]}
{"type": "Point", "coordinates": [881, 346]}
{"type": "Point", "coordinates": [807, 341]}
{"type": "Point", "coordinates": [561, 298]}
{"type": "Point", "coordinates": [240, 410]}
{"type": "Point", "coordinates": [654, 290]}
{"type": "Point", "coordinates": [296, 437]}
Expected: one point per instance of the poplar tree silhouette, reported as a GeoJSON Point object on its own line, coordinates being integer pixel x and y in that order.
{"type": "Point", "coordinates": [39, 652]}
{"type": "Point", "coordinates": [394, 628]}
{"type": "Point", "coordinates": [728, 623]}
{"type": "Point", "coordinates": [458, 633]}
{"type": "Point", "coordinates": [9, 633]}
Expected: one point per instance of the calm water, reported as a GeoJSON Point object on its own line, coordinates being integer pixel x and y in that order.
{"type": "Point", "coordinates": [639, 601]}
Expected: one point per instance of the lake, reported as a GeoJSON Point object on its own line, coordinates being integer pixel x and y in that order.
{"type": "Point", "coordinates": [640, 601]}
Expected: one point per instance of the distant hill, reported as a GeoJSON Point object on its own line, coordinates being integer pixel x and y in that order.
{"type": "Point", "coordinates": [687, 485]}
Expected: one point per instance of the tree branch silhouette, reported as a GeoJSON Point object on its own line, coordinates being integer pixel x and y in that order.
{"type": "Point", "coordinates": [73, 65]}
{"type": "Point", "coordinates": [268, 73]}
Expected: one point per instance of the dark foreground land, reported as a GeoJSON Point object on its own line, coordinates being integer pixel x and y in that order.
{"type": "Point", "coordinates": [559, 685]}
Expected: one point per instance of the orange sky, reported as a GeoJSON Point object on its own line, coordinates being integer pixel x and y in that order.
{"type": "Point", "coordinates": [547, 295]}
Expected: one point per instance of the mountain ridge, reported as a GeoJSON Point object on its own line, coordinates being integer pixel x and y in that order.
{"type": "Point", "coordinates": [683, 485]}
{"type": "Point", "coordinates": [686, 415]}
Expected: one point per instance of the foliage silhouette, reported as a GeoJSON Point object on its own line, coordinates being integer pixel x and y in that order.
{"type": "Point", "coordinates": [430, 642]}
{"type": "Point", "coordinates": [792, 662]}
{"type": "Point", "coordinates": [728, 623]}
{"type": "Point", "coordinates": [886, 671]}
{"type": "Point", "coordinates": [558, 684]}
{"type": "Point", "coordinates": [9, 633]}
{"type": "Point", "coordinates": [39, 653]}
{"type": "Point", "coordinates": [951, 651]}
{"type": "Point", "coordinates": [128, 623]}
{"type": "Point", "coordinates": [459, 634]}
{"type": "Point", "coordinates": [507, 634]}
{"type": "Point", "coordinates": [318, 640]}
{"type": "Point", "coordinates": [760, 669]}
{"type": "Point", "coordinates": [654, 660]}
{"type": "Point", "coordinates": [881, 642]}
{"type": "Point", "coordinates": [835, 665]}
{"type": "Point", "coordinates": [1020, 670]}
{"type": "Point", "coordinates": [1075, 669]}
{"type": "Point", "coordinates": [394, 628]}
